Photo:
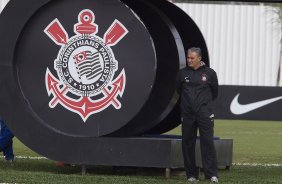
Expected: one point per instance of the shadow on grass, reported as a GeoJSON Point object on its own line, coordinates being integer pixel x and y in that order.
{"type": "Point", "coordinates": [39, 166]}
{"type": "Point", "coordinates": [49, 166]}
{"type": "Point", "coordinates": [43, 167]}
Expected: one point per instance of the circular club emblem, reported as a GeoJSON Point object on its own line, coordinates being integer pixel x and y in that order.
{"type": "Point", "coordinates": [85, 66]}
{"type": "Point", "coordinates": [204, 77]}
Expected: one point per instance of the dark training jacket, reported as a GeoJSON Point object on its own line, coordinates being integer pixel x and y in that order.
{"type": "Point", "coordinates": [197, 89]}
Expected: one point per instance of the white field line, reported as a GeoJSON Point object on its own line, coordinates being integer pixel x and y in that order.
{"type": "Point", "coordinates": [257, 164]}
{"type": "Point", "coordinates": [31, 158]}
{"type": "Point", "coordinates": [27, 157]}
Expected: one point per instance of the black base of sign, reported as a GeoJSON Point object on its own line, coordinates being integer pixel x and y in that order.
{"type": "Point", "coordinates": [150, 151]}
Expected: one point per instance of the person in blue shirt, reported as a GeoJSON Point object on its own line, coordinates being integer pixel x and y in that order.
{"type": "Point", "coordinates": [6, 142]}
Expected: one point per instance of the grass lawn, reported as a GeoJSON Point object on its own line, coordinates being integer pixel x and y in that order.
{"type": "Point", "coordinates": [254, 142]}
{"type": "Point", "coordinates": [45, 172]}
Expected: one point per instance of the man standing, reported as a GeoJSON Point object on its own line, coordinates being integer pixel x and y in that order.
{"type": "Point", "coordinates": [6, 142]}
{"type": "Point", "coordinates": [197, 86]}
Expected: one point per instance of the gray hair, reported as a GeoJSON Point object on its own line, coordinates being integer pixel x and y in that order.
{"type": "Point", "coordinates": [195, 49]}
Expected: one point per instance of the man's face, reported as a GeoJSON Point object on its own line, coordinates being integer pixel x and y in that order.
{"type": "Point", "coordinates": [193, 60]}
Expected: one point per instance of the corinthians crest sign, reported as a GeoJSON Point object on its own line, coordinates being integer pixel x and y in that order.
{"type": "Point", "coordinates": [71, 61]}
{"type": "Point", "coordinates": [86, 67]}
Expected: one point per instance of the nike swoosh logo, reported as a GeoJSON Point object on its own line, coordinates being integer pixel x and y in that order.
{"type": "Point", "coordinates": [237, 108]}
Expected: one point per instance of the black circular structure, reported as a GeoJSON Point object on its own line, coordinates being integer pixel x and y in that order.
{"type": "Point", "coordinates": [72, 71]}
{"type": "Point", "coordinates": [169, 52]}
{"type": "Point", "coordinates": [191, 36]}
{"type": "Point", "coordinates": [36, 53]}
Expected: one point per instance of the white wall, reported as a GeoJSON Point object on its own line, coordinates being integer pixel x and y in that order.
{"type": "Point", "coordinates": [3, 4]}
{"type": "Point", "coordinates": [243, 41]}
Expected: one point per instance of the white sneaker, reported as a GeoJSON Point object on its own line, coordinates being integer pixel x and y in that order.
{"type": "Point", "coordinates": [214, 179]}
{"type": "Point", "coordinates": [9, 161]}
{"type": "Point", "coordinates": [192, 179]}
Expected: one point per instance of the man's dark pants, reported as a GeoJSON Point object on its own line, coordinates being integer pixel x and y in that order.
{"type": "Point", "coordinates": [190, 123]}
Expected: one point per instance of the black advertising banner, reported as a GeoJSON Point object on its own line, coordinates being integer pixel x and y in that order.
{"type": "Point", "coordinates": [249, 102]}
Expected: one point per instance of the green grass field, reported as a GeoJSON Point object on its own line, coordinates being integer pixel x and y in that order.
{"type": "Point", "coordinates": [255, 142]}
